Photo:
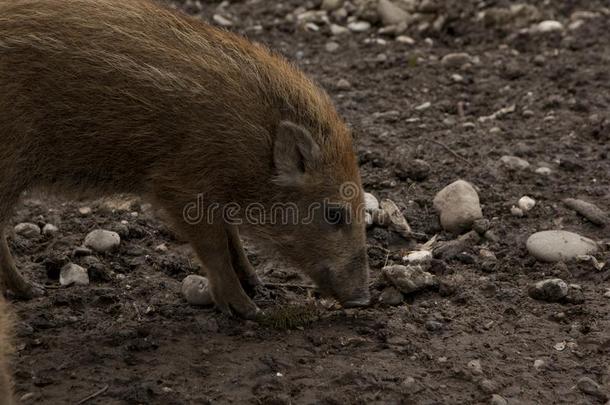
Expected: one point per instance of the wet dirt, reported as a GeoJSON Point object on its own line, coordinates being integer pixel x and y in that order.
{"type": "Point", "coordinates": [132, 336]}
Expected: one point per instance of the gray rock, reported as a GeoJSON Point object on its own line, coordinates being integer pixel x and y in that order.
{"type": "Point", "coordinates": [102, 241]}
{"type": "Point", "coordinates": [498, 400]}
{"type": "Point", "coordinates": [475, 367]}
{"type": "Point", "coordinates": [331, 5]}
{"type": "Point", "coordinates": [391, 14]}
{"type": "Point", "coordinates": [450, 249]}
{"type": "Point", "coordinates": [337, 30]}
{"type": "Point", "coordinates": [547, 26]}
{"type": "Point", "coordinates": [409, 279]}
{"type": "Point", "coordinates": [343, 84]}
{"type": "Point", "coordinates": [514, 162]}
{"type": "Point", "coordinates": [27, 230]}
{"type": "Point", "coordinates": [50, 230]}
{"type": "Point", "coordinates": [555, 246]}
{"type": "Point", "coordinates": [456, 59]}
{"type": "Point", "coordinates": [196, 291]}
{"type": "Point", "coordinates": [590, 211]}
{"type": "Point", "coordinates": [526, 203]}
{"type": "Point", "coordinates": [332, 47]}
{"type": "Point", "coordinates": [591, 387]}
{"type": "Point", "coordinates": [458, 205]}
{"type": "Point", "coordinates": [359, 26]}
{"type": "Point", "coordinates": [421, 257]}
{"type": "Point", "coordinates": [551, 290]}
{"type": "Point", "coordinates": [73, 274]}
{"type": "Point", "coordinates": [391, 296]}
{"type": "Point", "coordinates": [414, 169]}
{"type": "Point", "coordinates": [394, 219]}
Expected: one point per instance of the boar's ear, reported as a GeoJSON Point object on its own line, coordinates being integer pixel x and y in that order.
{"type": "Point", "coordinates": [295, 153]}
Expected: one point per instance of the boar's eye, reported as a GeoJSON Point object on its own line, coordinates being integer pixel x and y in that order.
{"type": "Point", "coordinates": [335, 215]}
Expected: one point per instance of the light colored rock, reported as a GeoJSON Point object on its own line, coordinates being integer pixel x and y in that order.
{"type": "Point", "coordinates": [73, 274]}
{"type": "Point", "coordinates": [551, 290]}
{"type": "Point", "coordinates": [102, 241]}
{"type": "Point", "coordinates": [85, 211]}
{"type": "Point", "coordinates": [516, 211]}
{"type": "Point", "coordinates": [331, 5]}
{"type": "Point", "coordinates": [408, 279]}
{"type": "Point", "coordinates": [337, 30]}
{"type": "Point", "coordinates": [391, 296]}
{"type": "Point", "coordinates": [458, 206]}
{"type": "Point", "coordinates": [456, 59]}
{"type": "Point", "coordinates": [391, 14]}
{"type": "Point", "coordinates": [514, 162]}
{"type": "Point", "coordinates": [359, 26]}
{"type": "Point", "coordinates": [27, 230]}
{"type": "Point", "coordinates": [547, 26]}
{"type": "Point", "coordinates": [49, 229]}
{"type": "Point", "coordinates": [526, 203]}
{"type": "Point", "coordinates": [475, 367]}
{"type": "Point", "coordinates": [404, 39]}
{"type": "Point", "coordinates": [607, 293]}
{"type": "Point", "coordinates": [423, 106]}
{"type": "Point", "coordinates": [421, 257]}
{"type": "Point", "coordinates": [545, 171]}
{"type": "Point", "coordinates": [370, 202]}
{"type": "Point", "coordinates": [590, 211]}
{"type": "Point", "coordinates": [539, 364]}
{"type": "Point", "coordinates": [498, 400]}
{"type": "Point", "coordinates": [196, 291]}
{"type": "Point", "coordinates": [554, 246]}
{"type": "Point", "coordinates": [332, 47]}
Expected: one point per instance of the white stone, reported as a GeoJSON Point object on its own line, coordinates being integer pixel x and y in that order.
{"type": "Point", "coordinates": [359, 26]}
{"type": "Point", "coordinates": [498, 400]}
{"type": "Point", "coordinates": [458, 206]}
{"type": "Point", "coordinates": [551, 290]}
{"type": "Point", "coordinates": [424, 106]}
{"type": "Point", "coordinates": [514, 162]}
{"type": "Point", "coordinates": [539, 364]}
{"type": "Point", "coordinates": [49, 229]}
{"type": "Point", "coordinates": [27, 230]}
{"type": "Point", "coordinates": [332, 47]}
{"type": "Point", "coordinates": [456, 59]}
{"type": "Point", "coordinates": [337, 30]}
{"type": "Point", "coordinates": [73, 274]}
{"type": "Point", "coordinates": [526, 203]}
{"type": "Point", "coordinates": [343, 84]}
{"type": "Point", "coordinates": [554, 246]}
{"type": "Point", "coordinates": [196, 291]}
{"type": "Point", "coordinates": [404, 39]}
{"type": "Point", "coordinates": [370, 202]}
{"type": "Point", "coordinates": [548, 26]}
{"type": "Point", "coordinates": [102, 241]}
{"type": "Point", "coordinates": [475, 367]}
{"type": "Point", "coordinates": [545, 171]}
{"type": "Point", "coordinates": [391, 14]}
{"type": "Point", "coordinates": [418, 257]}
{"type": "Point", "coordinates": [84, 211]}
{"type": "Point", "coordinates": [516, 211]}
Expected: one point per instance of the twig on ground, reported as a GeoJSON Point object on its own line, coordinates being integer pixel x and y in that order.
{"type": "Point", "coordinates": [448, 149]}
{"type": "Point", "coordinates": [95, 394]}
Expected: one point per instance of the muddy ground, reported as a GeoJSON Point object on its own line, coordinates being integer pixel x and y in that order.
{"type": "Point", "coordinates": [132, 336]}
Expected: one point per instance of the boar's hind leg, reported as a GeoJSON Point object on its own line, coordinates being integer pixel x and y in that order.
{"type": "Point", "coordinates": [10, 279]}
{"type": "Point", "coordinates": [244, 270]}
{"type": "Point", "coordinates": [211, 243]}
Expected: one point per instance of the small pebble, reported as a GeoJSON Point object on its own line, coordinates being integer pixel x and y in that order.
{"type": "Point", "coordinates": [456, 59]}
{"type": "Point", "coordinates": [551, 290]}
{"type": "Point", "coordinates": [195, 290]}
{"type": "Point", "coordinates": [73, 274]}
{"type": "Point", "coordinates": [544, 171]}
{"type": "Point", "coordinates": [359, 26]}
{"type": "Point", "coordinates": [424, 106]}
{"type": "Point", "coordinates": [422, 257]}
{"type": "Point", "coordinates": [526, 203]}
{"type": "Point", "coordinates": [50, 230]}
{"type": "Point", "coordinates": [547, 26]}
{"type": "Point", "coordinates": [332, 47]}
{"type": "Point", "coordinates": [590, 387]}
{"type": "Point", "coordinates": [370, 202]}
{"type": "Point", "coordinates": [403, 39]}
{"type": "Point", "coordinates": [590, 211]}
{"type": "Point", "coordinates": [331, 5]}
{"type": "Point", "coordinates": [498, 400]}
{"type": "Point", "coordinates": [27, 230]}
{"type": "Point", "coordinates": [102, 241]}
{"type": "Point", "coordinates": [343, 84]}
{"type": "Point", "coordinates": [516, 211]}
{"type": "Point", "coordinates": [514, 162]}
{"type": "Point", "coordinates": [539, 364]}
{"type": "Point", "coordinates": [337, 30]}
{"type": "Point", "coordinates": [222, 21]}
{"type": "Point", "coordinates": [84, 211]}
{"type": "Point", "coordinates": [475, 367]}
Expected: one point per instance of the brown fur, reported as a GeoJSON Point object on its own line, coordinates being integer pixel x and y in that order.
{"type": "Point", "coordinates": [108, 96]}
{"type": "Point", "coordinates": [6, 397]}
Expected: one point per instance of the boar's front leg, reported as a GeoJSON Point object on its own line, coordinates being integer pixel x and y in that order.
{"type": "Point", "coordinates": [211, 242]}
{"type": "Point", "coordinates": [244, 270]}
